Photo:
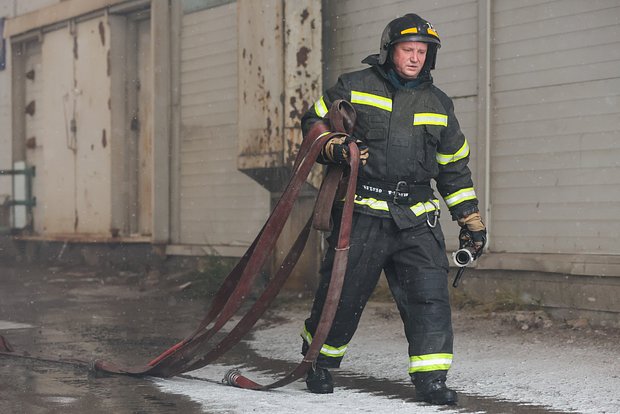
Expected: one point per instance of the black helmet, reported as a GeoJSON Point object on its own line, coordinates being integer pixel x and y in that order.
{"type": "Point", "coordinates": [410, 28]}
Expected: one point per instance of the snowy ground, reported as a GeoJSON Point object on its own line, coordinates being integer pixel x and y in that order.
{"type": "Point", "coordinates": [507, 364]}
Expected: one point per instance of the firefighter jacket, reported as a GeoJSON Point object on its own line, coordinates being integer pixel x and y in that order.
{"type": "Point", "coordinates": [412, 136]}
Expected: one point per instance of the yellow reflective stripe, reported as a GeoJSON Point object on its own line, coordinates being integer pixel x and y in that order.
{"type": "Point", "coordinates": [429, 118]}
{"type": "Point", "coordinates": [415, 30]}
{"type": "Point", "coordinates": [372, 203]}
{"type": "Point", "coordinates": [320, 108]}
{"type": "Point", "coordinates": [377, 101]}
{"type": "Point", "coordinates": [410, 30]}
{"type": "Point", "coordinates": [463, 152]}
{"type": "Point", "coordinates": [333, 351]}
{"type": "Point", "coordinates": [460, 196]}
{"type": "Point", "coordinates": [418, 209]}
{"type": "Point", "coordinates": [429, 362]}
{"type": "Point", "coordinates": [422, 208]}
{"type": "Point", "coordinates": [327, 350]}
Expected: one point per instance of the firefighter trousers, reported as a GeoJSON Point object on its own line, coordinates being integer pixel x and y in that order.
{"type": "Point", "coordinates": [416, 267]}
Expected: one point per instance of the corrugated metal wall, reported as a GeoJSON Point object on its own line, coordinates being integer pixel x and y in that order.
{"type": "Point", "coordinates": [556, 144]}
{"type": "Point", "coordinates": [220, 207]}
{"type": "Point", "coordinates": [353, 30]}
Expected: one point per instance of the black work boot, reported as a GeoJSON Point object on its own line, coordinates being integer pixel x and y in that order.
{"type": "Point", "coordinates": [319, 381]}
{"type": "Point", "coordinates": [436, 392]}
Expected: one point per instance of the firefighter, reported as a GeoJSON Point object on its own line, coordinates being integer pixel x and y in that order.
{"type": "Point", "coordinates": [408, 135]}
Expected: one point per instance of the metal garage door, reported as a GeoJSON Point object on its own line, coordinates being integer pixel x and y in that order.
{"type": "Point", "coordinates": [221, 208]}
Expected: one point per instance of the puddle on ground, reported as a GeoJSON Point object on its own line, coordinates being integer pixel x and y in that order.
{"type": "Point", "coordinates": [7, 325]}
{"type": "Point", "coordinates": [45, 387]}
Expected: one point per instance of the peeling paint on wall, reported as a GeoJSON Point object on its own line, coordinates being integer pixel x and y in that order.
{"type": "Point", "coordinates": [269, 133]}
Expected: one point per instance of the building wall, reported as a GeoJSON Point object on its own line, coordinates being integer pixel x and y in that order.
{"type": "Point", "coordinates": [555, 121]}
{"type": "Point", "coordinates": [554, 125]}
{"type": "Point", "coordinates": [556, 128]}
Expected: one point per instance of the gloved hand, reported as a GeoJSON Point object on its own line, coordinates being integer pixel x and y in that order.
{"type": "Point", "coordinates": [336, 151]}
{"type": "Point", "coordinates": [473, 231]}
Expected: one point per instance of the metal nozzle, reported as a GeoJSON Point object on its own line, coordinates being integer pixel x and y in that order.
{"type": "Point", "coordinates": [462, 257]}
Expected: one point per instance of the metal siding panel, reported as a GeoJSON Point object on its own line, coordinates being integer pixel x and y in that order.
{"type": "Point", "coordinates": [220, 206]}
{"type": "Point", "coordinates": [555, 170]}
{"type": "Point", "coordinates": [355, 27]}
{"type": "Point", "coordinates": [536, 45]}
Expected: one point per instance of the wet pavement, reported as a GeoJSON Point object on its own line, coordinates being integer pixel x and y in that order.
{"type": "Point", "coordinates": [77, 315]}
{"type": "Point", "coordinates": [84, 314]}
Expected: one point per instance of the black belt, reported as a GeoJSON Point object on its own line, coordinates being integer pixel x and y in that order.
{"type": "Point", "coordinates": [401, 192]}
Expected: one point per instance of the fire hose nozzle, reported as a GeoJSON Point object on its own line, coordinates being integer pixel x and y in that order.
{"type": "Point", "coordinates": [463, 257]}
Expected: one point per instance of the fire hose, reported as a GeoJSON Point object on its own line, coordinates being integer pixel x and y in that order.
{"type": "Point", "coordinates": [194, 351]}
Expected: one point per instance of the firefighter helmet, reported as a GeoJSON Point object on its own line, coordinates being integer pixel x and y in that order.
{"type": "Point", "coordinates": [410, 28]}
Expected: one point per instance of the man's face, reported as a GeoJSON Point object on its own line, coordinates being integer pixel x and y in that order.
{"type": "Point", "coordinates": [409, 58]}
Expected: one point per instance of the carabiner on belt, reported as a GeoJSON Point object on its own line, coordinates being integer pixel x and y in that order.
{"type": "Point", "coordinates": [432, 224]}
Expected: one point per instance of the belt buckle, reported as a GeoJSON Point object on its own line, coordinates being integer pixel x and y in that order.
{"type": "Point", "coordinates": [401, 193]}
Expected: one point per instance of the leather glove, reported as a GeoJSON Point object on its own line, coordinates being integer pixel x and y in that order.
{"type": "Point", "coordinates": [473, 231]}
{"type": "Point", "coordinates": [336, 151]}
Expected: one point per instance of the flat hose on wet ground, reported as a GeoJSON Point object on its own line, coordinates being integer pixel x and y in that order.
{"type": "Point", "coordinates": [195, 351]}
